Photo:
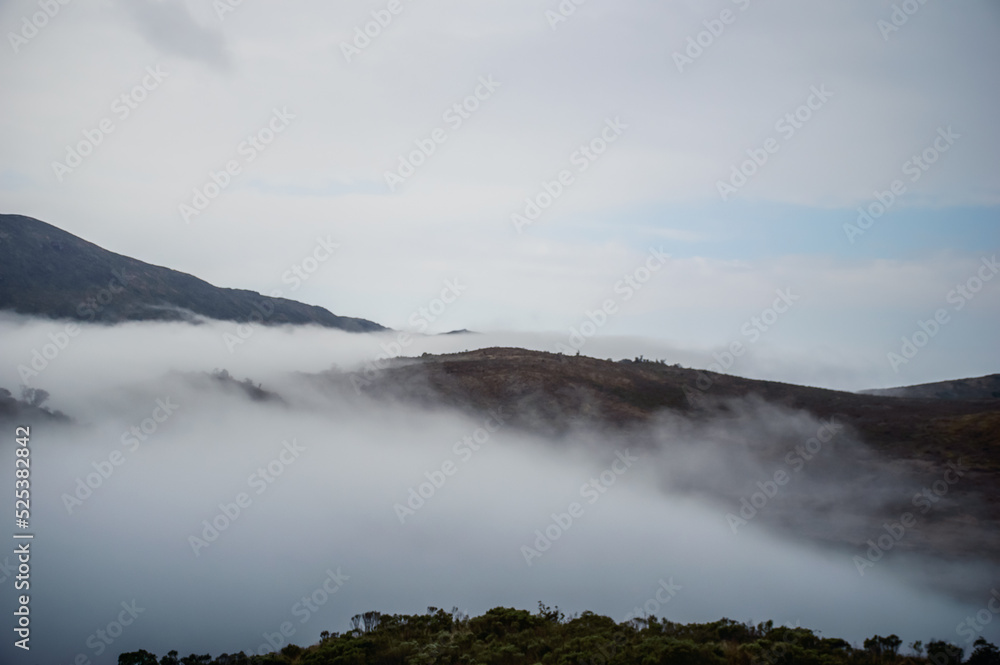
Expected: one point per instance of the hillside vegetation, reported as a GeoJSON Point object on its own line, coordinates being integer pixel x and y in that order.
{"type": "Point", "coordinates": [505, 636]}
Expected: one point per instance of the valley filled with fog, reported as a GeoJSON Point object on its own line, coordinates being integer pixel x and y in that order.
{"type": "Point", "coordinates": [219, 510]}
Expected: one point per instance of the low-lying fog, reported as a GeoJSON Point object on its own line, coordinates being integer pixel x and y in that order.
{"type": "Point", "coordinates": [328, 527]}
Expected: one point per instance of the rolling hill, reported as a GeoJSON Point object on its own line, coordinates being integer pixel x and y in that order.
{"type": "Point", "coordinates": [45, 271]}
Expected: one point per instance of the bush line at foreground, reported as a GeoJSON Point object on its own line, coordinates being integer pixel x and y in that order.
{"type": "Point", "coordinates": [504, 636]}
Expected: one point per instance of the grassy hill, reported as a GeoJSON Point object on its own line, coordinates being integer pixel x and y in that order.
{"type": "Point", "coordinates": [556, 392]}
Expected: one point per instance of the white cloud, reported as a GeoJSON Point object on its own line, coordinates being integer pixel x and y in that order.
{"type": "Point", "coordinates": [325, 174]}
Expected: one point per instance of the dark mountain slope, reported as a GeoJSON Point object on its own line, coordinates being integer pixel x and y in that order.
{"type": "Point", "coordinates": [555, 392]}
{"type": "Point", "coordinates": [45, 271]}
{"type": "Point", "coordinates": [893, 447]}
{"type": "Point", "coordinates": [982, 387]}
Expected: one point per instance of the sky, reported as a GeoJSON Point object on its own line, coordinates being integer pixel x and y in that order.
{"type": "Point", "coordinates": [797, 191]}
{"type": "Point", "coordinates": [536, 159]}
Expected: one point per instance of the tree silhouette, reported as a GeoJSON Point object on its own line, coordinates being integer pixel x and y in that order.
{"type": "Point", "coordinates": [371, 620]}
{"type": "Point", "coordinates": [170, 658]}
{"type": "Point", "coordinates": [509, 636]}
{"type": "Point", "coordinates": [943, 653]}
{"type": "Point", "coordinates": [140, 657]}
{"type": "Point", "coordinates": [34, 396]}
{"type": "Point", "coordinates": [984, 653]}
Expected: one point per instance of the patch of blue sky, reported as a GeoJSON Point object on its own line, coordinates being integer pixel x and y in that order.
{"type": "Point", "coordinates": [752, 231]}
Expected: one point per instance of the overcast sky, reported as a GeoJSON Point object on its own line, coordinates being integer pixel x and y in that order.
{"type": "Point", "coordinates": [667, 121]}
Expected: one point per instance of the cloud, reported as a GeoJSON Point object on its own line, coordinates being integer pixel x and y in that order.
{"type": "Point", "coordinates": [170, 28]}
{"type": "Point", "coordinates": [216, 512]}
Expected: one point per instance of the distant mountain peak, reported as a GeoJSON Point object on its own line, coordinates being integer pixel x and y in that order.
{"type": "Point", "coordinates": [48, 272]}
{"type": "Point", "coordinates": [981, 387]}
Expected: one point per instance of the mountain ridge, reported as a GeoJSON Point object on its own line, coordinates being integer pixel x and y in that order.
{"type": "Point", "coordinates": [557, 392]}
{"type": "Point", "coordinates": [46, 271]}
{"type": "Point", "coordinates": [972, 388]}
